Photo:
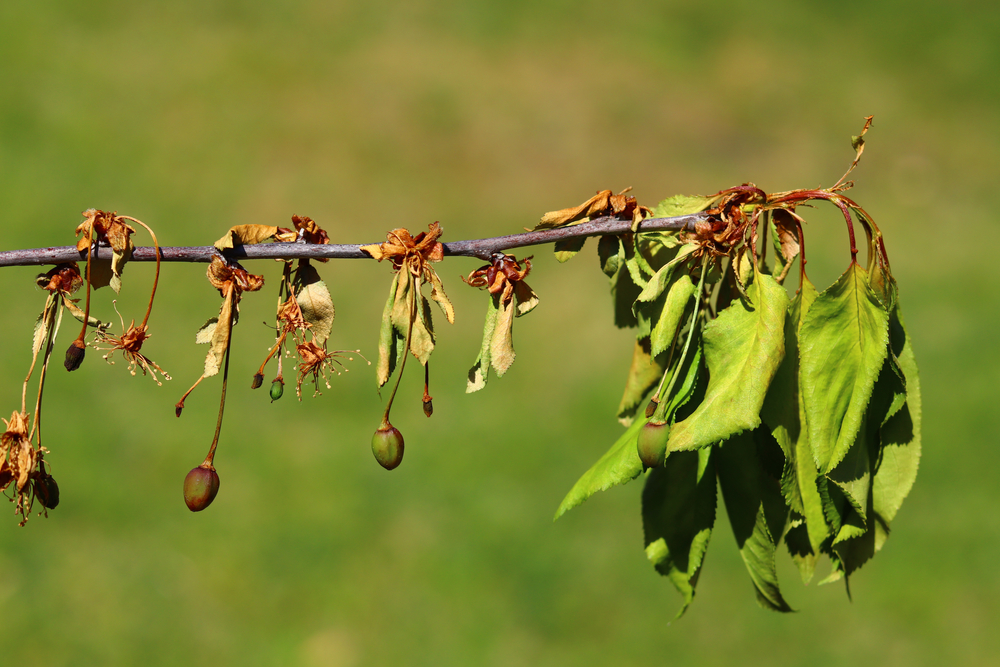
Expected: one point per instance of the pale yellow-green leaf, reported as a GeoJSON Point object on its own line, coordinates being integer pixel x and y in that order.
{"type": "Point", "coordinates": [502, 344]}
{"type": "Point", "coordinates": [220, 338]}
{"type": "Point", "coordinates": [525, 297]}
{"type": "Point", "coordinates": [316, 305]}
{"type": "Point", "coordinates": [206, 332]}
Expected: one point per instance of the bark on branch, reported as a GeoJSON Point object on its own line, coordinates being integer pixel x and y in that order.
{"type": "Point", "coordinates": [481, 248]}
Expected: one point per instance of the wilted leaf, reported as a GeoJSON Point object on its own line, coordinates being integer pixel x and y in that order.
{"type": "Point", "coordinates": [525, 298]}
{"type": "Point", "coordinates": [101, 273]}
{"type": "Point", "coordinates": [757, 512]}
{"type": "Point", "coordinates": [643, 375]}
{"type": "Point", "coordinates": [678, 512]}
{"type": "Point", "coordinates": [315, 303]}
{"type": "Point", "coordinates": [502, 344]}
{"type": "Point", "coordinates": [593, 206]}
{"type": "Point", "coordinates": [220, 338]}
{"type": "Point", "coordinates": [479, 373]}
{"type": "Point", "coordinates": [80, 315]}
{"type": "Point", "coordinates": [206, 332]}
{"type": "Point", "coordinates": [245, 235]}
{"type": "Point", "coordinates": [438, 295]}
{"type": "Point", "coordinates": [567, 249]}
{"type": "Point", "coordinates": [387, 342]}
{"type": "Point", "coordinates": [900, 435]}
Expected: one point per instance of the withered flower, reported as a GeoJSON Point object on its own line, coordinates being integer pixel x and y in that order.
{"type": "Point", "coordinates": [510, 297]}
{"type": "Point", "coordinates": [111, 229]}
{"type": "Point", "coordinates": [407, 326]}
{"type": "Point", "coordinates": [231, 280]}
{"type": "Point", "coordinates": [406, 317]}
{"type": "Point", "coordinates": [317, 361]}
{"type": "Point", "coordinates": [306, 231]}
{"type": "Point", "coordinates": [20, 464]}
{"type": "Point", "coordinates": [306, 313]}
{"type": "Point", "coordinates": [17, 456]}
{"type": "Point", "coordinates": [131, 340]}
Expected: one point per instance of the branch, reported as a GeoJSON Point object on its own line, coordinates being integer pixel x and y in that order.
{"type": "Point", "coordinates": [481, 248]}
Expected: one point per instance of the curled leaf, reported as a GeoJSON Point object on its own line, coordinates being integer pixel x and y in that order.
{"type": "Point", "coordinates": [244, 235]}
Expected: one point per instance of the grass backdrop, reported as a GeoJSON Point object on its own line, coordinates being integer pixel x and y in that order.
{"type": "Point", "coordinates": [195, 116]}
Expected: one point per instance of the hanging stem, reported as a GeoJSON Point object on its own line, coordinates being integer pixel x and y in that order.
{"type": "Point", "coordinates": [411, 302]}
{"type": "Point", "coordinates": [156, 276]}
{"type": "Point", "coordinates": [222, 402]}
{"type": "Point", "coordinates": [662, 406]}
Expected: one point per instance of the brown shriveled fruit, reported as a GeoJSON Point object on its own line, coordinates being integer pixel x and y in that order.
{"type": "Point", "coordinates": [46, 490]}
{"type": "Point", "coordinates": [74, 355]}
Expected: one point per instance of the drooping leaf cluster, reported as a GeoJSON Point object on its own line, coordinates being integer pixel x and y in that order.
{"type": "Point", "coordinates": [804, 412]}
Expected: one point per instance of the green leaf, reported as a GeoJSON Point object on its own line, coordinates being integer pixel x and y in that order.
{"type": "Point", "coordinates": [623, 294]}
{"type": "Point", "coordinates": [757, 512]}
{"type": "Point", "coordinates": [689, 370]}
{"type": "Point", "coordinates": [744, 346]}
{"type": "Point", "coordinates": [842, 343]}
{"type": "Point", "coordinates": [678, 512]}
{"type": "Point", "coordinates": [610, 254]}
{"type": "Point", "coordinates": [619, 465]}
{"type": "Point", "coordinates": [900, 435]}
{"type": "Point", "coordinates": [388, 339]}
{"type": "Point", "coordinates": [669, 321]}
{"type": "Point", "coordinates": [567, 249]}
{"type": "Point", "coordinates": [643, 375]}
{"type": "Point", "coordinates": [480, 371]}
{"type": "Point", "coordinates": [782, 414]}
{"type": "Point", "coordinates": [682, 205]}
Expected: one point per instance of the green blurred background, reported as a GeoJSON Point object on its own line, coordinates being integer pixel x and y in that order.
{"type": "Point", "coordinates": [195, 116]}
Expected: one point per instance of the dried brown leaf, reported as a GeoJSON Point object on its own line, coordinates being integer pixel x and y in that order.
{"type": "Point", "coordinates": [245, 234]}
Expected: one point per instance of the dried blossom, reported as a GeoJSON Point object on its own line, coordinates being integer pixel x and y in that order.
{"type": "Point", "coordinates": [510, 297]}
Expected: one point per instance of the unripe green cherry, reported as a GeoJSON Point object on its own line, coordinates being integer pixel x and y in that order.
{"type": "Point", "coordinates": [652, 443]}
{"type": "Point", "coordinates": [200, 487]}
{"type": "Point", "coordinates": [277, 389]}
{"type": "Point", "coordinates": [387, 446]}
